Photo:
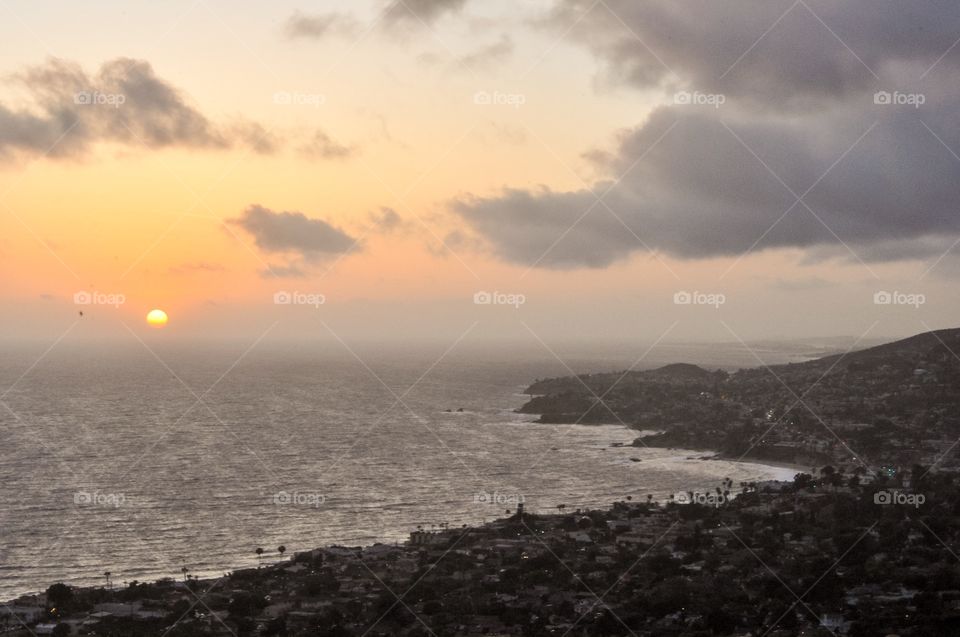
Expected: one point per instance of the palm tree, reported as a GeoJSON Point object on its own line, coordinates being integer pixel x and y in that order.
{"type": "Point", "coordinates": [561, 507]}
{"type": "Point", "coordinates": [184, 570]}
{"type": "Point", "coordinates": [106, 575]}
{"type": "Point", "coordinates": [259, 552]}
{"type": "Point", "coordinates": [281, 550]}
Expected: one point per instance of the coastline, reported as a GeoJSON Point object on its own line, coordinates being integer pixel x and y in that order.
{"type": "Point", "coordinates": [781, 471]}
{"type": "Point", "coordinates": [777, 464]}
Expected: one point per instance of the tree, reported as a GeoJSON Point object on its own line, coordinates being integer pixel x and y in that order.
{"type": "Point", "coordinates": [61, 630]}
{"type": "Point", "coordinates": [281, 550]}
{"type": "Point", "coordinates": [259, 552]}
{"type": "Point", "coordinates": [59, 594]}
{"type": "Point", "coordinates": [246, 604]}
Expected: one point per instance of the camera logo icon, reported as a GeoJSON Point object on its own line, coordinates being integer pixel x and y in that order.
{"type": "Point", "coordinates": [482, 298]}
{"type": "Point", "coordinates": [282, 298]}
{"type": "Point", "coordinates": [682, 298]}
{"type": "Point", "coordinates": [882, 98]}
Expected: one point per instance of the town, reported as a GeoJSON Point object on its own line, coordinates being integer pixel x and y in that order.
{"type": "Point", "coordinates": [842, 552]}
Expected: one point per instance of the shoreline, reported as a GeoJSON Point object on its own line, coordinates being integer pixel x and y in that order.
{"type": "Point", "coordinates": [777, 464]}
{"type": "Point", "coordinates": [689, 455]}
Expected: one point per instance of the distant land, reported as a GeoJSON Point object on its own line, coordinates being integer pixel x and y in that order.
{"type": "Point", "coordinates": [892, 404]}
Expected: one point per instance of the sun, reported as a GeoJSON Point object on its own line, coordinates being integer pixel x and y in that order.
{"type": "Point", "coordinates": [157, 318]}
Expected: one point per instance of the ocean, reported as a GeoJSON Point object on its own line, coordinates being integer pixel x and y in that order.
{"type": "Point", "coordinates": [142, 462]}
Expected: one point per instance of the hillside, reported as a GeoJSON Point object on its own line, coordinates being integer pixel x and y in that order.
{"type": "Point", "coordinates": [896, 402]}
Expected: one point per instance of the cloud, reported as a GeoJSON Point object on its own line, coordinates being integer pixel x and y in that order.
{"type": "Point", "coordinates": [288, 271]}
{"type": "Point", "coordinates": [124, 102]}
{"type": "Point", "coordinates": [321, 146]}
{"type": "Point", "coordinates": [317, 26]}
{"type": "Point", "coordinates": [420, 10]}
{"type": "Point", "coordinates": [294, 233]}
{"type": "Point", "coordinates": [684, 184]}
{"type": "Point", "coordinates": [776, 52]}
{"type": "Point", "coordinates": [490, 55]}
{"type": "Point", "coordinates": [387, 221]}
{"type": "Point", "coordinates": [797, 118]}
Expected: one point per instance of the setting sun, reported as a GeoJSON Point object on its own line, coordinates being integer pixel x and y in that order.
{"type": "Point", "coordinates": [157, 318]}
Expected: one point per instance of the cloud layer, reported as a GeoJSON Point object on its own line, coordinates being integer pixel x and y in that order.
{"type": "Point", "coordinates": [750, 124]}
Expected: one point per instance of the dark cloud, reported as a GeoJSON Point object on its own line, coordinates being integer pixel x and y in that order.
{"type": "Point", "coordinates": [690, 187]}
{"type": "Point", "coordinates": [812, 50]}
{"type": "Point", "coordinates": [420, 10]}
{"type": "Point", "coordinates": [294, 233]}
{"type": "Point", "coordinates": [317, 26]}
{"type": "Point", "coordinates": [699, 181]}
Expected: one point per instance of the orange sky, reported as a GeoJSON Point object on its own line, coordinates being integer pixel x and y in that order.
{"type": "Point", "coordinates": [154, 223]}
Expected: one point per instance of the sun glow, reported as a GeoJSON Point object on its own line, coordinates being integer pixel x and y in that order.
{"type": "Point", "coordinates": [157, 318]}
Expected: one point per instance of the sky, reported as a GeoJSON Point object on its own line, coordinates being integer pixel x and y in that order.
{"type": "Point", "coordinates": [544, 170]}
